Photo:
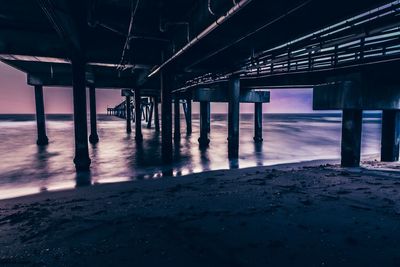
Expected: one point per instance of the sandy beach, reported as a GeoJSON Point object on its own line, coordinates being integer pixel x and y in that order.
{"type": "Point", "coordinates": [288, 215]}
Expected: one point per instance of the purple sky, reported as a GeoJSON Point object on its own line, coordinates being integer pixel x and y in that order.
{"type": "Point", "coordinates": [18, 97]}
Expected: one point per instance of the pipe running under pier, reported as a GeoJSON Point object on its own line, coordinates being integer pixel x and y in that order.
{"type": "Point", "coordinates": [390, 135]}
{"type": "Point", "coordinates": [351, 137]}
{"type": "Point", "coordinates": [81, 160]}
{"type": "Point", "coordinates": [40, 117]}
{"type": "Point", "coordinates": [94, 137]}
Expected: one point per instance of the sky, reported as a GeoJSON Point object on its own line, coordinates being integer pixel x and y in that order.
{"type": "Point", "coordinates": [18, 98]}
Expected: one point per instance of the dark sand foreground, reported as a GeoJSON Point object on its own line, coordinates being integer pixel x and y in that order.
{"type": "Point", "coordinates": [264, 216]}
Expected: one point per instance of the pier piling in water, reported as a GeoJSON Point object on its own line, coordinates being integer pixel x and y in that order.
{"type": "Point", "coordinates": [128, 114]}
{"type": "Point", "coordinates": [166, 116]}
{"type": "Point", "coordinates": [81, 160]}
{"type": "Point", "coordinates": [258, 113]}
{"type": "Point", "coordinates": [390, 135]}
{"type": "Point", "coordinates": [351, 137]}
{"type": "Point", "coordinates": [138, 115]}
{"type": "Point", "coordinates": [156, 115]}
{"type": "Point", "coordinates": [233, 117]}
{"type": "Point", "coordinates": [188, 116]}
{"type": "Point", "coordinates": [40, 117]}
{"type": "Point", "coordinates": [150, 113]}
{"type": "Point", "coordinates": [94, 137]}
{"type": "Point", "coordinates": [177, 119]}
{"type": "Point", "coordinates": [204, 115]}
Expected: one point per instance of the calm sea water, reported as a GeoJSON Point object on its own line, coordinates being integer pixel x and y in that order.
{"type": "Point", "coordinates": [26, 168]}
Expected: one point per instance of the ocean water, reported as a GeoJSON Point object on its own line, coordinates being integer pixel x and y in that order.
{"type": "Point", "coordinates": [26, 168]}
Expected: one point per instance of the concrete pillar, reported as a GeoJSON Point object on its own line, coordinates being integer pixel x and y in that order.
{"type": "Point", "coordinates": [208, 118]}
{"type": "Point", "coordinates": [93, 138]}
{"type": "Point", "coordinates": [40, 117]}
{"type": "Point", "coordinates": [166, 116]}
{"type": "Point", "coordinates": [188, 116]}
{"type": "Point", "coordinates": [351, 137]}
{"type": "Point", "coordinates": [258, 122]}
{"type": "Point", "coordinates": [204, 114]}
{"type": "Point", "coordinates": [233, 117]}
{"type": "Point", "coordinates": [177, 119]}
{"type": "Point", "coordinates": [150, 113]}
{"type": "Point", "coordinates": [390, 135]}
{"type": "Point", "coordinates": [128, 114]}
{"type": "Point", "coordinates": [81, 160]}
{"type": "Point", "coordinates": [156, 115]}
{"type": "Point", "coordinates": [138, 112]}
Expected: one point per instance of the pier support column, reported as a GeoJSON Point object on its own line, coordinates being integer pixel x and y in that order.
{"type": "Point", "coordinates": [81, 160]}
{"type": "Point", "coordinates": [138, 115]}
{"type": "Point", "coordinates": [156, 115]}
{"type": "Point", "coordinates": [390, 135]}
{"type": "Point", "coordinates": [166, 116]}
{"type": "Point", "coordinates": [258, 113]}
{"type": "Point", "coordinates": [128, 114]}
{"type": "Point", "coordinates": [233, 117]}
{"type": "Point", "coordinates": [188, 116]}
{"type": "Point", "coordinates": [351, 137]}
{"type": "Point", "coordinates": [151, 113]}
{"type": "Point", "coordinates": [177, 119]}
{"type": "Point", "coordinates": [204, 115]}
{"type": "Point", "coordinates": [94, 137]}
{"type": "Point", "coordinates": [40, 117]}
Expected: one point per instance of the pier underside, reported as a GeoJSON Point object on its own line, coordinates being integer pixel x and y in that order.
{"type": "Point", "coordinates": [207, 51]}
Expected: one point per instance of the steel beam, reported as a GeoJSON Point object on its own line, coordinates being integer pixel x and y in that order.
{"type": "Point", "coordinates": [219, 95]}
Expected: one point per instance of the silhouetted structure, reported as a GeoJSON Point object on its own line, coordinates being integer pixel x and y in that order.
{"type": "Point", "coordinates": [177, 50]}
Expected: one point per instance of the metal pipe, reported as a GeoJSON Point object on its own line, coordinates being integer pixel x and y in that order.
{"type": "Point", "coordinates": [203, 34]}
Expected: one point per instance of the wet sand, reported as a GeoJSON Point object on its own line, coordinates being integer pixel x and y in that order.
{"type": "Point", "coordinates": [289, 215]}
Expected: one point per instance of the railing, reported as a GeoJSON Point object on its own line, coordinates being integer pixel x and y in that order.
{"type": "Point", "coordinates": [369, 38]}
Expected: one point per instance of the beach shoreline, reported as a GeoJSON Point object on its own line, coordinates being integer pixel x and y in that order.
{"type": "Point", "coordinates": [304, 214]}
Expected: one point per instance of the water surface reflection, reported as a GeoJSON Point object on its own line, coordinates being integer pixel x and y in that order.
{"type": "Point", "coordinates": [26, 168]}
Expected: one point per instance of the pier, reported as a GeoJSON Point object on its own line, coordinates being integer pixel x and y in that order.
{"type": "Point", "coordinates": [173, 53]}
